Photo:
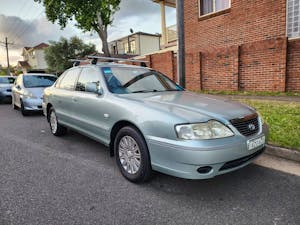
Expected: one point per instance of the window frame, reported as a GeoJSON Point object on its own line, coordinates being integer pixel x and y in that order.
{"type": "Point", "coordinates": [82, 72]}
{"type": "Point", "coordinates": [58, 85]}
{"type": "Point", "coordinates": [214, 7]}
{"type": "Point", "coordinates": [287, 23]}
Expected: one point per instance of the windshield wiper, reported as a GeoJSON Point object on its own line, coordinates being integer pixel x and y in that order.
{"type": "Point", "coordinates": [144, 91]}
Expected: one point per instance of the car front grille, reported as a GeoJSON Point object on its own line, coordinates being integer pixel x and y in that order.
{"type": "Point", "coordinates": [247, 126]}
{"type": "Point", "coordinates": [240, 161]}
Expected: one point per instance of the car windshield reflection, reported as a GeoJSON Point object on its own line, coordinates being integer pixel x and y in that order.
{"type": "Point", "coordinates": [33, 81]}
{"type": "Point", "coordinates": [139, 80]}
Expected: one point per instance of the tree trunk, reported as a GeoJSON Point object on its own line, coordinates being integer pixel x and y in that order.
{"type": "Point", "coordinates": [102, 32]}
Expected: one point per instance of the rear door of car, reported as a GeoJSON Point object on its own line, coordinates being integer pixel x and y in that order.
{"type": "Point", "coordinates": [62, 96]}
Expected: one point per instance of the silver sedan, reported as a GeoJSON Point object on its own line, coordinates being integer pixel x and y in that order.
{"type": "Point", "coordinates": [27, 91]}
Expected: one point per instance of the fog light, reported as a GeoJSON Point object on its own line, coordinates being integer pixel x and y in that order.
{"type": "Point", "coordinates": [204, 169]}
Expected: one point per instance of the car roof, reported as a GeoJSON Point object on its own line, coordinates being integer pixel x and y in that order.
{"type": "Point", "coordinates": [111, 64]}
{"type": "Point", "coordinates": [39, 74]}
{"type": "Point", "coordinates": [7, 76]}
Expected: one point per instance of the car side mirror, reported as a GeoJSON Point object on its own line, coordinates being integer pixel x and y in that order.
{"type": "Point", "coordinates": [94, 88]}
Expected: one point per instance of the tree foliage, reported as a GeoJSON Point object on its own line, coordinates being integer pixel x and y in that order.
{"type": "Point", "coordinates": [90, 15]}
{"type": "Point", "coordinates": [58, 54]}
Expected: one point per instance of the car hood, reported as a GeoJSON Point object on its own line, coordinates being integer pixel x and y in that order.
{"type": "Point", "coordinates": [37, 91]}
{"type": "Point", "coordinates": [192, 107]}
{"type": "Point", "coordinates": [2, 86]}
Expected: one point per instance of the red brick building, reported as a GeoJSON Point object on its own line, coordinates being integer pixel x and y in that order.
{"type": "Point", "coordinates": [240, 45]}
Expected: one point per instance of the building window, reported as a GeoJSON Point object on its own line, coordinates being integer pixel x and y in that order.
{"type": "Point", "coordinates": [126, 49]}
{"type": "Point", "coordinates": [132, 47]}
{"type": "Point", "coordinates": [293, 18]}
{"type": "Point", "coordinates": [212, 6]}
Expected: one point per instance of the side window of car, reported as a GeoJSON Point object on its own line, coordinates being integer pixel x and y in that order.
{"type": "Point", "coordinates": [88, 75]}
{"type": "Point", "coordinates": [69, 80]}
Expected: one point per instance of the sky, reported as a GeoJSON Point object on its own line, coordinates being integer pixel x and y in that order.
{"type": "Point", "coordinates": [24, 23]}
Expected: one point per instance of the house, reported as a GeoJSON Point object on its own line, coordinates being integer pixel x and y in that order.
{"type": "Point", "coordinates": [138, 43]}
{"type": "Point", "coordinates": [33, 58]}
{"type": "Point", "coordinates": [240, 45]}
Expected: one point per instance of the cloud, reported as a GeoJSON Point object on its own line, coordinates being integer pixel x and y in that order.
{"type": "Point", "coordinates": [140, 15]}
{"type": "Point", "coordinates": [30, 32]}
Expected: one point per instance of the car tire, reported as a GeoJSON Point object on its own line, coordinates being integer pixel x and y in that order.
{"type": "Point", "coordinates": [132, 155]}
{"type": "Point", "coordinates": [55, 128]}
{"type": "Point", "coordinates": [23, 110]}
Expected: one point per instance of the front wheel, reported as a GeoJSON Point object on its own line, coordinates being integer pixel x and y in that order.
{"type": "Point", "coordinates": [23, 110]}
{"type": "Point", "coordinates": [55, 127]}
{"type": "Point", "coordinates": [132, 155]}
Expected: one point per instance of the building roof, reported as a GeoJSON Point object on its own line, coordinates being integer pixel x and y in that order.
{"type": "Point", "coordinates": [41, 46]}
{"type": "Point", "coordinates": [171, 3]}
{"type": "Point", "coordinates": [137, 33]}
{"type": "Point", "coordinates": [27, 48]}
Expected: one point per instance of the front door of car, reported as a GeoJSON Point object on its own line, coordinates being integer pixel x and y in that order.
{"type": "Point", "coordinates": [89, 107]}
{"type": "Point", "coordinates": [16, 91]}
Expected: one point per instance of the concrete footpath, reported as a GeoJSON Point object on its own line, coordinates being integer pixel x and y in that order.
{"type": "Point", "coordinates": [285, 160]}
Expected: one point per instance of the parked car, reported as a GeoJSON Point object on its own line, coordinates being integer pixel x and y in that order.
{"type": "Point", "coordinates": [27, 91]}
{"type": "Point", "coordinates": [151, 123]}
{"type": "Point", "coordinates": [5, 88]}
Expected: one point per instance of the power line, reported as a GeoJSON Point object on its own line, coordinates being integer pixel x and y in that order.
{"type": "Point", "coordinates": [7, 57]}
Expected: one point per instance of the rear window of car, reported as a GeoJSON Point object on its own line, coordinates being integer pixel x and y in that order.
{"type": "Point", "coordinates": [7, 80]}
{"type": "Point", "coordinates": [38, 81]}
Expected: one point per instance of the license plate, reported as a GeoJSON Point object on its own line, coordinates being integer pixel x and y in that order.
{"type": "Point", "coordinates": [254, 143]}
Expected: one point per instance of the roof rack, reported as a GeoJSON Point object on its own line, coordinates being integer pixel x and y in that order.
{"type": "Point", "coordinates": [111, 59]}
{"type": "Point", "coordinates": [77, 61]}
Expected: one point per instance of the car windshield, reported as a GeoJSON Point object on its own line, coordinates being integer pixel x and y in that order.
{"type": "Point", "coordinates": [31, 81]}
{"type": "Point", "coordinates": [7, 80]}
{"type": "Point", "coordinates": [123, 80]}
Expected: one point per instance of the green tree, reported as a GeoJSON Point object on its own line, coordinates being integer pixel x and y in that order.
{"type": "Point", "coordinates": [90, 15]}
{"type": "Point", "coordinates": [58, 54]}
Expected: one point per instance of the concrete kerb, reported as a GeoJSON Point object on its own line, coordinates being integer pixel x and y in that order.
{"type": "Point", "coordinates": [285, 153]}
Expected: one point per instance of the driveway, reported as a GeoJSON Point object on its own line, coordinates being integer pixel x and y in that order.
{"type": "Point", "coordinates": [72, 180]}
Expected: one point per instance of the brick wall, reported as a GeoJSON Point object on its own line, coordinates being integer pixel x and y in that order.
{"type": "Point", "coordinates": [243, 48]}
{"type": "Point", "coordinates": [293, 66]}
{"type": "Point", "coordinates": [245, 22]}
{"type": "Point", "coordinates": [263, 65]}
{"type": "Point", "coordinates": [163, 62]}
{"type": "Point", "coordinates": [219, 69]}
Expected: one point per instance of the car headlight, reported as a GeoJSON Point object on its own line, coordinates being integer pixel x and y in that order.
{"type": "Point", "coordinates": [29, 95]}
{"type": "Point", "coordinates": [203, 131]}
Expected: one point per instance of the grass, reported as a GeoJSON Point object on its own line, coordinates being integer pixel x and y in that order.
{"type": "Point", "coordinates": [283, 119]}
{"type": "Point", "coordinates": [250, 93]}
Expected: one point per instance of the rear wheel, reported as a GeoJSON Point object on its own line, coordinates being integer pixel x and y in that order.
{"type": "Point", "coordinates": [132, 155]}
{"type": "Point", "coordinates": [55, 127]}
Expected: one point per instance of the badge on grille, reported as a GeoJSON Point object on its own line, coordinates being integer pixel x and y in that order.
{"type": "Point", "coordinates": [251, 126]}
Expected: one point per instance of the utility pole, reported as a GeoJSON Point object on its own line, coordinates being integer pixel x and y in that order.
{"type": "Point", "coordinates": [7, 57]}
{"type": "Point", "coordinates": [181, 42]}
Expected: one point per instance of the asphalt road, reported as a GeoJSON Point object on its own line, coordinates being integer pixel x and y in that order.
{"type": "Point", "coordinates": [72, 180]}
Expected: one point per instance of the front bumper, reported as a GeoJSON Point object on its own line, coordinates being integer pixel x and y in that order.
{"type": "Point", "coordinates": [5, 96]}
{"type": "Point", "coordinates": [184, 158]}
{"type": "Point", "coordinates": [32, 104]}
